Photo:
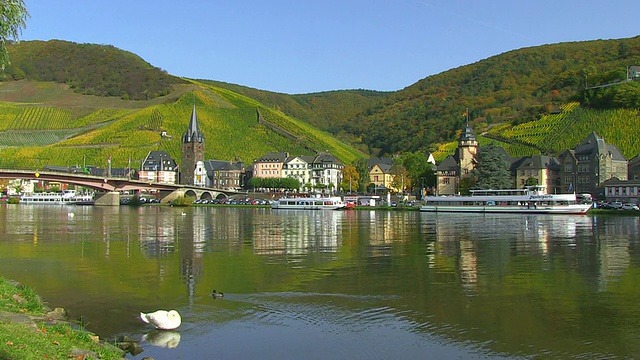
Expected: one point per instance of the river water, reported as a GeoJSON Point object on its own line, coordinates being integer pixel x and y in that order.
{"type": "Point", "coordinates": [336, 284]}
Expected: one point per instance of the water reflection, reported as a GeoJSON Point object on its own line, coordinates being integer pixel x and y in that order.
{"type": "Point", "coordinates": [162, 338]}
{"type": "Point", "coordinates": [465, 285]}
{"type": "Point", "coordinates": [297, 232]}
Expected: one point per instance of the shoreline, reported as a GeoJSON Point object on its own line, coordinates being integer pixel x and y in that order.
{"type": "Point", "coordinates": [30, 329]}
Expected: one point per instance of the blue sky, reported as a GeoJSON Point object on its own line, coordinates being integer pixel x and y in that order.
{"type": "Point", "coordinates": [297, 46]}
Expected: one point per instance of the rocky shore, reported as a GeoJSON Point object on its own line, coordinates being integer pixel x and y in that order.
{"type": "Point", "coordinates": [32, 330]}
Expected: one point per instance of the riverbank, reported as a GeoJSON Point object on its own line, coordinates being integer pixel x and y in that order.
{"type": "Point", "coordinates": [30, 330]}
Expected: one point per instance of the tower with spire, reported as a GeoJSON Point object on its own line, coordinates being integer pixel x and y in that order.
{"type": "Point", "coordinates": [192, 150]}
{"type": "Point", "coordinates": [467, 150]}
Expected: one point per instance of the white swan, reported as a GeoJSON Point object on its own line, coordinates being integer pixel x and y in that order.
{"type": "Point", "coordinates": [70, 214]}
{"type": "Point", "coordinates": [162, 319]}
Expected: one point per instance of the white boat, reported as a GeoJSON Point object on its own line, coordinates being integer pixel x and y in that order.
{"type": "Point", "coordinates": [309, 203]}
{"type": "Point", "coordinates": [531, 200]}
{"type": "Point", "coordinates": [66, 197]}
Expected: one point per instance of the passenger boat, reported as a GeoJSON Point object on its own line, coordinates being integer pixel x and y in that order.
{"type": "Point", "coordinates": [66, 197]}
{"type": "Point", "coordinates": [309, 203]}
{"type": "Point", "coordinates": [531, 200]}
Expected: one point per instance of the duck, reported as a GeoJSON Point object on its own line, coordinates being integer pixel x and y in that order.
{"type": "Point", "coordinates": [216, 294]}
{"type": "Point", "coordinates": [162, 319]}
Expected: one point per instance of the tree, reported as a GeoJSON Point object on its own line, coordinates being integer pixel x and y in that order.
{"type": "Point", "coordinates": [531, 181]}
{"type": "Point", "coordinates": [492, 170]}
{"type": "Point", "coordinates": [350, 179]}
{"type": "Point", "coordinates": [419, 170]}
{"type": "Point", "coordinates": [400, 177]}
{"type": "Point", "coordinates": [362, 168]}
{"type": "Point", "coordinates": [13, 18]}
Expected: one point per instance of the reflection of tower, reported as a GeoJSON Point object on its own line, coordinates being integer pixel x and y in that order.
{"type": "Point", "coordinates": [192, 150]}
{"type": "Point", "coordinates": [191, 248]}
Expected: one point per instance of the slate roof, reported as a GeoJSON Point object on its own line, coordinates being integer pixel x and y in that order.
{"type": "Point", "coordinates": [221, 165]}
{"type": "Point", "coordinates": [158, 161]}
{"type": "Point", "coordinates": [274, 157]}
{"type": "Point", "coordinates": [467, 134]}
{"type": "Point", "coordinates": [537, 162]}
{"type": "Point", "coordinates": [193, 133]}
{"type": "Point", "coordinates": [594, 145]}
{"type": "Point", "coordinates": [449, 163]}
{"type": "Point", "coordinates": [386, 168]}
{"type": "Point", "coordinates": [325, 157]}
{"type": "Point", "coordinates": [373, 161]}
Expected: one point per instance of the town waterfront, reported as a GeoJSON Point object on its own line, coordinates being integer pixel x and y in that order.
{"type": "Point", "coordinates": [336, 284]}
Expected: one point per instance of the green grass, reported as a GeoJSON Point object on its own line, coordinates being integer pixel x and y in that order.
{"type": "Point", "coordinates": [24, 341]}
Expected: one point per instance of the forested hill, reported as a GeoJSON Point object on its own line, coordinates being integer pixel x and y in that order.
{"type": "Point", "coordinates": [517, 86]}
{"type": "Point", "coordinates": [89, 69]}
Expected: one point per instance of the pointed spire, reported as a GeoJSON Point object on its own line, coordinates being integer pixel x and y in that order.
{"type": "Point", "coordinates": [193, 133]}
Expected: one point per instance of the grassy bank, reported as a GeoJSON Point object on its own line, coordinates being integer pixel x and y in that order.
{"type": "Point", "coordinates": [29, 330]}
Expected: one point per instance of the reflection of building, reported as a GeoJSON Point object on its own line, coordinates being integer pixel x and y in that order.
{"type": "Point", "coordinates": [298, 233]}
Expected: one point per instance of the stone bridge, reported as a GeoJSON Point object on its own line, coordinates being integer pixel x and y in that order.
{"type": "Point", "coordinates": [109, 189]}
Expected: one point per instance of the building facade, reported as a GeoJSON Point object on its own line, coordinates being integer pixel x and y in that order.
{"type": "Point", "coordinates": [227, 175]}
{"type": "Point", "coordinates": [544, 170]}
{"type": "Point", "coordinates": [270, 165]}
{"type": "Point", "coordinates": [158, 167]}
{"type": "Point", "coordinates": [459, 165]}
{"type": "Point", "coordinates": [585, 168]}
{"type": "Point", "coordinates": [299, 168]}
{"type": "Point", "coordinates": [326, 169]}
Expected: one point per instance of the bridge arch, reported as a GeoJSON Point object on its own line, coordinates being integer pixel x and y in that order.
{"type": "Point", "coordinates": [190, 193]}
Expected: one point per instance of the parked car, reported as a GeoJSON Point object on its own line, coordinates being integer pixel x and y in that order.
{"type": "Point", "coordinates": [630, 207]}
{"type": "Point", "coordinates": [617, 205]}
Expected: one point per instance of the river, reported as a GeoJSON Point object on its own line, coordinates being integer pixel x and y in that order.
{"type": "Point", "coordinates": [336, 284]}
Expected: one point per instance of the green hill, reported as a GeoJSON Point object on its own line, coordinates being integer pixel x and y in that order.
{"type": "Point", "coordinates": [553, 133]}
{"type": "Point", "coordinates": [515, 87]}
{"type": "Point", "coordinates": [88, 69]}
{"type": "Point", "coordinates": [518, 98]}
{"type": "Point", "coordinates": [69, 129]}
{"type": "Point", "coordinates": [329, 111]}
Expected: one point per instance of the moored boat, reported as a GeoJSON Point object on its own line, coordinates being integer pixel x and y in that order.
{"type": "Point", "coordinates": [531, 200]}
{"type": "Point", "coordinates": [66, 197]}
{"type": "Point", "coordinates": [309, 203]}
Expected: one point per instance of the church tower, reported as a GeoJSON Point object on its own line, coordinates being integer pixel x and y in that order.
{"type": "Point", "coordinates": [192, 150]}
{"type": "Point", "coordinates": [467, 150]}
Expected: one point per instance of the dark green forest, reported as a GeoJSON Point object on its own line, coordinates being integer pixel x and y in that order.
{"type": "Point", "coordinates": [89, 69]}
